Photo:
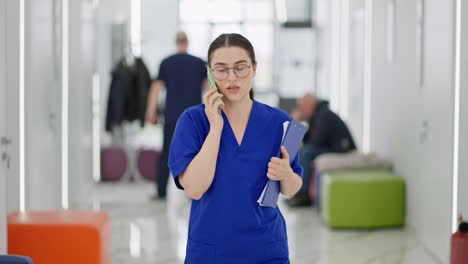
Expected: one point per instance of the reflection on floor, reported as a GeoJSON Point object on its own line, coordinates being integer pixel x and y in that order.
{"type": "Point", "coordinates": [145, 231]}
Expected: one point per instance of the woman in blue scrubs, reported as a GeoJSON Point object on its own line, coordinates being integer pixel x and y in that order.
{"type": "Point", "coordinates": [223, 161]}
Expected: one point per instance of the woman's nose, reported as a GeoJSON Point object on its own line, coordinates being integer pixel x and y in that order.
{"type": "Point", "coordinates": [231, 75]}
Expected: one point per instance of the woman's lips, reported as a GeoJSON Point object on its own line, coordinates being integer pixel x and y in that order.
{"type": "Point", "coordinates": [233, 89]}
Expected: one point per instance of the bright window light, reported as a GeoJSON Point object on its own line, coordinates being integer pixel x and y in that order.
{"type": "Point", "coordinates": [191, 11]}
{"type": "Point", "coordinates": [136, 27]}
{"type": "Point", "coordinates": [221, 11]}
{"type": "Point", "coordinates": [254, 19]}
{"type": "Point", "coordinates": [281, 12]}
{"type": "Point", "coordinates": [259, 10]}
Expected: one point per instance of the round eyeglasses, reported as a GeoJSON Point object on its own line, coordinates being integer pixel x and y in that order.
{"type": "Point", "coordinates": [240, 71]}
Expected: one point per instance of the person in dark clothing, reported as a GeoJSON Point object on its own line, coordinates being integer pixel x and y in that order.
{"type": "Point", "coordinates": [183, 75]}
{"type": "Point", "coordinates": [327, 133]}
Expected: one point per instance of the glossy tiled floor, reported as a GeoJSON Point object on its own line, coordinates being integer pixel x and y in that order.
{"type": "Point", "coordinates": [155, 232]}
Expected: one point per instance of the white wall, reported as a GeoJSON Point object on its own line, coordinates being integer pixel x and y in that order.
{"type": "Point", "coordinates": [397, 109]}
{"type": "Point", "coordinates": [393, 91]}
{"type": "Point", "coordinates": [43, 108]}
{"type": "Point", "coordinates": [9, 114]}
{"type": "Point", "coordinates": [158, 39]}
{"type": "Point", "coordinates": [296, 61]}
{"type": "Point", "coordinates": [340, 50]}
{"type": "Point", "coordinates": [43, 102]}
{"type": "Point", "coordinates": [12, 79]}
{"type": "Point", "coordinates": [109, 12]}
{"type": "Point", "coordinates": [463, 144]}
{"type": "Point", "coordinates": [438, 94]}
{"type": "Point", "coordinates": [3, 169]}
{"type": "Point", "coordinates": [351, 104]}
{"type": "Point", "coordinates": [412, 125]}
{"type": "Point", "coordinates": [323, 22]}
{"type": "Point", "coordinates": [82, 67]}
{"type": "Point", "coordinates": [9, 117]}
{"type": "Point", "coordinates": [297, 10]}
{"type": "Point", "coordinates": [9, 124]}
{"type": "Point", "coordinates": [159, 23]}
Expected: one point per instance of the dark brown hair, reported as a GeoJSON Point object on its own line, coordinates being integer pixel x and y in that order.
{"type": "Point", "coordinates": [233, 40]}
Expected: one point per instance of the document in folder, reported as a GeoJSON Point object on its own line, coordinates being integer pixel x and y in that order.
{"type": "Point", "coordinates": [293, 133]}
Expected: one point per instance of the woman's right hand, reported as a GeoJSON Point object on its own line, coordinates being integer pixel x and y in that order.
{"type": "Point", "coordinates": [211, 109]}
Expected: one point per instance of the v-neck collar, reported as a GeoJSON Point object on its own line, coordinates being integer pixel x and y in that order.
{"type": "Point", "coordinates": [247, 128]}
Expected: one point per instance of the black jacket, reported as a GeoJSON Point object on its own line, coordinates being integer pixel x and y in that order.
{"type": "Point", "coordinates": [327, 131]}
{"type": "Point", "coordinates": [128, 93]}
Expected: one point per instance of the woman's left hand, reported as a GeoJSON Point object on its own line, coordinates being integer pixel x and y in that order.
{"type": "Point", "coordinates": [279, 168]}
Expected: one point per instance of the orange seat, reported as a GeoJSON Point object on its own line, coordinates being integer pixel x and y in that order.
{"type": "Point", "coordinates": [57, 237]}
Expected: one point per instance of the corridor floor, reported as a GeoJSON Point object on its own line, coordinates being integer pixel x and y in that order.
{"type": "Point", "coordinates": [145, 232]}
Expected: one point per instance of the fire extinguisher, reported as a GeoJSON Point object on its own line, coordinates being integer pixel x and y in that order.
{"type": "Point", "coordinates": [459, 245]}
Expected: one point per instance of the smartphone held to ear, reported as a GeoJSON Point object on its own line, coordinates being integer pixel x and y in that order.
{"type": "Point", "coordinates": [212, 82]}
{"type": "Point", "coordinates": [209, 73]}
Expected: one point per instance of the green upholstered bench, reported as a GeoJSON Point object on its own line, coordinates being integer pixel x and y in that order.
{"type": "Point", "coordinates": [362, 199]}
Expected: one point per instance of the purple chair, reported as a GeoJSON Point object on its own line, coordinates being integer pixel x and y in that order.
{"type": "Point", "coordinates": [15, 259]}
{"type": "Point", "coordinates": [114, 163]}
{"type": "Point", "coordinates": [148, 163]}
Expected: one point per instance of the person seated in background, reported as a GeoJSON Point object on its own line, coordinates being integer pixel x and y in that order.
{"type": "Point", "coordinates": [327, 133]}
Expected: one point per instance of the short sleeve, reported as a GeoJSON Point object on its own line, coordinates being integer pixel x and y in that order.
{"type": "Point", "coordinates": [162, 74]}
{"type": "Point", "coordinates": [185, 145]}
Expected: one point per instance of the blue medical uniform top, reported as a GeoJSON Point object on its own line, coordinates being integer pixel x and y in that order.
{"type": "Point", "coordinates": [227, 225]}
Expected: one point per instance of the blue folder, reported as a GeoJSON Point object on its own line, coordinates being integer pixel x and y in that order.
{"type": "Point", "coordinates": [292, 141]}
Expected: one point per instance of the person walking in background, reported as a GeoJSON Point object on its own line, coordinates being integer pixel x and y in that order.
{"type": "Point", "coordinates": [327, 133]}
{"type": "Point", "coordinates": [183, 76]}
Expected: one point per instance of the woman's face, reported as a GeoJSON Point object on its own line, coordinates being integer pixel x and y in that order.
{"type": "Point", "coordinates": [233, 87]}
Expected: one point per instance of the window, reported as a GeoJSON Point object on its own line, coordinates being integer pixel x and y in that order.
{"type": "Point", "coordinates": [204, 20]}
